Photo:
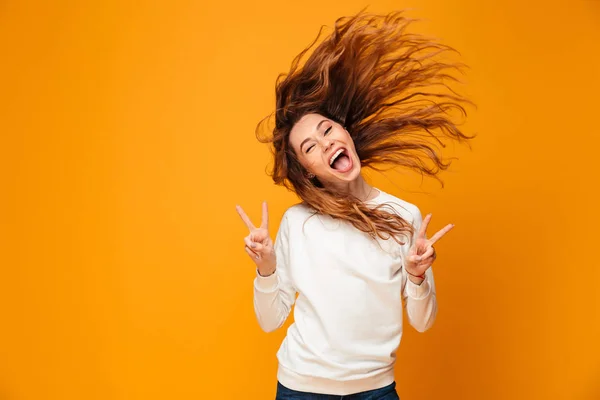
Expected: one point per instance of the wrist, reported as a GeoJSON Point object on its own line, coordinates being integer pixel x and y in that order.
{"type": "Point", "coordinates": [264, 272]}
{"type": "Point", "coordinates": [416, 279]}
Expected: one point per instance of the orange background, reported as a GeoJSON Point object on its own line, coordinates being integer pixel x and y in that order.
{"type": "Point", "coordinates": [128, 138]}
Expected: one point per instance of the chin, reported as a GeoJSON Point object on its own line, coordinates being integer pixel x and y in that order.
{"type": "Point", "coordinates": [352, 175]}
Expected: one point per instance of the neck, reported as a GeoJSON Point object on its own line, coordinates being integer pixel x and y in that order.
{"type": "Point", "coordinates": [359, 188]}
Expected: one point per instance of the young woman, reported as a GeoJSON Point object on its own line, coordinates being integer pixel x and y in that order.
{"type": "Point", "coordinates": [351, 253]}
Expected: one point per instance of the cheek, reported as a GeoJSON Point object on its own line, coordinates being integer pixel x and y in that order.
{"type": "Point", "coordinates": [346, 138]}
{"type": "Point", "coordinates": [307, 162]}
{"type": "Point", "coordinates": [318, 163]}
{"type": "Point", "coordinates": [308, 159]}
{"type": "Point", "coordinates": [351, 142]}
{"type": "Point", "coordinates": [352, 147]}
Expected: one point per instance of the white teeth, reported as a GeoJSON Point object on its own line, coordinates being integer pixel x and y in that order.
{"type": "Point", "coordinates": [333, 157]}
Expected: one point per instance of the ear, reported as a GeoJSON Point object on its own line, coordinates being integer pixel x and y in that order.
{"type": "Point", "coordinates": [310, 175]}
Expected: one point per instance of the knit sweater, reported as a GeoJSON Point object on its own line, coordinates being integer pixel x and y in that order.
{"type": "Point", "coordinates": [349, 291]}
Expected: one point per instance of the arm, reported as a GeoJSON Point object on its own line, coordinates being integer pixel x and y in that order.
{"type": "Point", "coordinates": [419, 295]}
{"type": "Point", "coordinates": [420, 301]}
{"type": "Point", "coordinates": [274, 294]}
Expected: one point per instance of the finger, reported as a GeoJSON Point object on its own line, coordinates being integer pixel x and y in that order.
{"type": "Point", "coordinates": [428, 253]}
{"type": "Point", "coordinates": [412, 250]}
{"type": "Point", "coordinates": [259, 235]}
{"type": "Point", "coordinates": [245, 218]}
{"type": "Point", "coordinates": [440, 234]}
{"type": "Point", "coordinates": [414, 259]}
{"type": "Point", "coordinates": [258, 248]}
{"type": "Point", "coordinates": [265, 216]}
{"type": "Point", "coordinates": [424, 224]}
{"type": "Point", "coordinates": [252, 254]}
{"type": "Point", "coordinates": [254, 246]}
{"type": "Point", "coordinates": [413, 255]}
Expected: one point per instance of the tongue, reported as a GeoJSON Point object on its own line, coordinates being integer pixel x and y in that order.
{"type": "Point", "coordinates": [341, 163]}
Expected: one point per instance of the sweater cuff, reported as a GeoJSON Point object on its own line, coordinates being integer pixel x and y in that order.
{"type": "Point", "coordinates": [418, 292]}
{"type": "Point", "coordinates": [266, 284]}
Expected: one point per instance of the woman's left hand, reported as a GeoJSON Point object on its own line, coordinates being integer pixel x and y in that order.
{"type": "Point", "coordinates": [422, 254]}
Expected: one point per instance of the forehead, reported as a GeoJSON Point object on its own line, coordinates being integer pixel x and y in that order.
{"type": "Point", "coordinates": [304, 128]}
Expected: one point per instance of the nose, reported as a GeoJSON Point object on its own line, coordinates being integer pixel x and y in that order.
{"type": "Point", "coordinates": [327, 143]}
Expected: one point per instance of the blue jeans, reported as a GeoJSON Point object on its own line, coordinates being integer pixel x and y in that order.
{"type": "Point", "coordinates": [385, 393]}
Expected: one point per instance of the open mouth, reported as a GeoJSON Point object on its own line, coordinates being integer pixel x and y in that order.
{"type": "Point", "coordinates": [341, 161]}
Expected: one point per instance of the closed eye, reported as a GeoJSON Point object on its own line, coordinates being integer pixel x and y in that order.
{"type": "Point", "coordinates": [327, 132]}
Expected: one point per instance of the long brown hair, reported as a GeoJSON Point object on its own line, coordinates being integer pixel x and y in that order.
{"type": "Point", "coordinates": [381, 83]}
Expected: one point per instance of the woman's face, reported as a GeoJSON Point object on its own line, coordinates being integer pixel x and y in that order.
{"type": "Point", "coordinates": [325, 149]}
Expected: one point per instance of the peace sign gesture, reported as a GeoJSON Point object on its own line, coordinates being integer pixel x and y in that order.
{"type": "Point", "coordinates": [422, 254]}
{"type": "Point", "coordinates": [259, 245]}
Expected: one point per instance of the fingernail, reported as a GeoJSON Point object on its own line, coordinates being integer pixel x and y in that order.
{"type": "Point", "coordinates": [253, 245]}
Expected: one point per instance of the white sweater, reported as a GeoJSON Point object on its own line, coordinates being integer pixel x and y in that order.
{"type": "Point", "coordinates": [348, 313]}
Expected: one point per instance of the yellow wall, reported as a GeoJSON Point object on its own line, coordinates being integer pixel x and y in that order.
{"type": "Point", "coordinates": [127, 139]}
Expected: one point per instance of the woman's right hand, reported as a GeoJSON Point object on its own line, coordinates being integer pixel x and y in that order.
{"type": "Point", "coordinates": [259, 245]}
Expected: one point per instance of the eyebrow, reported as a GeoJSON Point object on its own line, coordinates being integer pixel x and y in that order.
{"type": "Point", "coordinates": [307, 139]}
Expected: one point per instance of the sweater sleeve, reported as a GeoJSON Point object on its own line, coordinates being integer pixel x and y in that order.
{"type": "Point", "coordinates": [419, 300]}
{"type": "Point", "coordinates": [274, 295]}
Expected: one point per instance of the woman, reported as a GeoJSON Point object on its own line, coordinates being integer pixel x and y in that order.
{"type": "Point", "coordinates": [352, 253]}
